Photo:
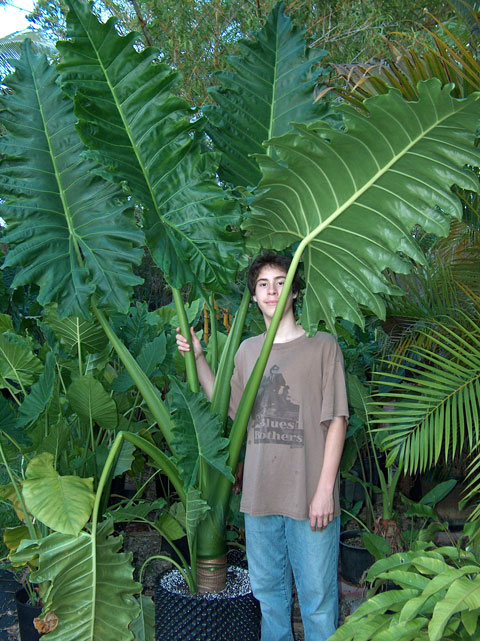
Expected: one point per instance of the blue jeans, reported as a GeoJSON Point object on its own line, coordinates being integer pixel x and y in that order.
{"type": "Point", "coordinates": [275, 546]}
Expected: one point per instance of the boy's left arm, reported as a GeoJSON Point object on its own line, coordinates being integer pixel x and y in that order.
{"type": "Point", "coordinates": [322, 506]}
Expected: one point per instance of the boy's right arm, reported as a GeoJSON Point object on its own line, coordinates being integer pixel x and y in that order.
{"type": "Point", "coordinates": [205, 374]}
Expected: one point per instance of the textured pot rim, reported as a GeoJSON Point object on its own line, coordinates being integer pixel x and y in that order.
{"type": "Point", "coordinates": [207, 596]}
{"type": "Point", "coordinates": [351, 533]}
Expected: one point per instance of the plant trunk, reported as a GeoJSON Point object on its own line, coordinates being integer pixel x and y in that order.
{"type": "Point", "coordinates": [211, 574]}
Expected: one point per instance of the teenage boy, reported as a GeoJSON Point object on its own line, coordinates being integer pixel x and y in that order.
{"type": "Point", "coordinates": [294, 445]}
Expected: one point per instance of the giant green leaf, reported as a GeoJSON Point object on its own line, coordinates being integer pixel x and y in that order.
{"type": "Point", "coordinates": [351, 198]}
{"type": "Point", "coordinates": [70, 232]}
{"type": "Point", "coordinates": [91, 401]}
{"type": "Point", "coordinates": [93, 588]}
{"type": "Point", "coordinates": [197, 434]}
{"type": "Point", "coordinates": [64, 503]}
{"type": "Point", "coordinates": [142, 134]}
{"type": "Point", "coordinates": [270, 86]}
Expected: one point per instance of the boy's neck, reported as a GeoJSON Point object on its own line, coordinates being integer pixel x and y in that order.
{"type": "Point", "coordinates": [287, 331]}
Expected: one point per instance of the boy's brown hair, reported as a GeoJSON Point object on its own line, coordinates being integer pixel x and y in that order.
{"type": "Point", "coordinates": [271, 258]}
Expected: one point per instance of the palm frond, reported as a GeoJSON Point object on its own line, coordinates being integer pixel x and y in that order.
{"type": "Point", "coordinates": [472, 491]}
{"type": "Point", "coordinates": [429, 398]}
{"type": "Point", "coordinates": [405, 69]}
{"type": "Point", "coordinates": [447, 285]}
{"type": "Point", "coordinates": [446, 57]}
{"type": "Point", "coordinates": [429, 291]}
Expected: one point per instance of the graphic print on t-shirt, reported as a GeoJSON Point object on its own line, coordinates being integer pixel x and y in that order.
{"type": "Point", "coordinates": [275, 416]}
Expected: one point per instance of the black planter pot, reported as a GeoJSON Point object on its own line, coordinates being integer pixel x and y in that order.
{"type": "Point", "coordinates": [354, 560]}
{"type": "Point", "coordinates": [191, 617]}
{"type": "Point", "coordinates": [26, 614]}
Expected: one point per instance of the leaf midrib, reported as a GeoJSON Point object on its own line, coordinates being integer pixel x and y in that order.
{"type": "Point", "coordinates": [381, 172]}
{"type": "Point", "coordinates": [118, 106]}
{"type": "Point", "coordinates": [58, 174]}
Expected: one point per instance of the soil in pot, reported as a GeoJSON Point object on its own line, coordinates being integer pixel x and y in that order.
{"type": "Point", "coordinates": [232, 614]}
{"type": "Point", "coordinates": [26, 614]}
{"type": "Point", "coordinates": [354, 558]}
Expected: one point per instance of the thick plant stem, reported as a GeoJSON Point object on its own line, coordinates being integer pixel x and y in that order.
{"type": "Point", "coordinates": [213, 333]}
{"type": "Point", "coordinates": [92, 440]}
{"type": "Point", "coordinates": [111, 458]}
{"type": "Point", "coordinates": [190, 364]}
{"type": "Point", "coordinates": [112, 455]}
{"type": "Point", "coordinates": [149, 392]}
{"type": "Point", "coordinates": [211, 575]}
{"type": "Point", "coordinates": [221, 389]}
{"type": "Point", "coordinates": [211, 533]}
{"type": "Point", "coordinates": [211, 542]}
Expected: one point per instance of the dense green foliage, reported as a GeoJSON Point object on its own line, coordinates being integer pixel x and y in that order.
{"type": "Point", "coordinates": [101, 158]}
{"type": "Point", "coordinates": [436, 597]}
{"type": "Point", "coordinates": [197, 37]}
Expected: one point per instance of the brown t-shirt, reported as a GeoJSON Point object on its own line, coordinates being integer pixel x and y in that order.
{"type": "Point", "coordinates": [302, 390]}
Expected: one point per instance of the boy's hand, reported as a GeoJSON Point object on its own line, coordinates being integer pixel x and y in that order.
{"type": "Point", "coordinates": [183, 346]}
{"type": "Point", "coordinates": [321, 509]}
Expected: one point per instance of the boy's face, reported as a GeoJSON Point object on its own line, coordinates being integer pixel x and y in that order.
{"type": "Point", "coordinates": [268, 288]}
